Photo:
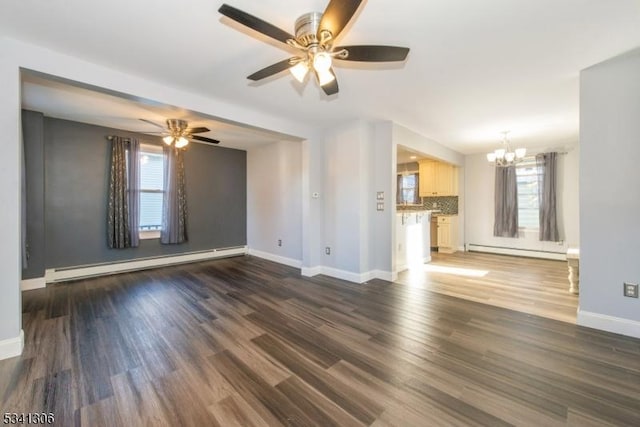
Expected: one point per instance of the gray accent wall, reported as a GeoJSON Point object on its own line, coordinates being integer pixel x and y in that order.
{"type": "Point", "coordinates": [76, 173]}
{"type": "Point", "coordinates": [610, 187]}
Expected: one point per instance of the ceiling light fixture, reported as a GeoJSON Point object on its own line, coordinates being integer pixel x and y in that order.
{"type": "Point", "coordinates": [315, 33]}
{"type": "Point", "coordinates": [178, 131]}
{"type": "Point", "coordinates": [182, 142]}
{"type": "Point", "coordinates": [505, 156]}
{"type": "Point", "coordinates": [320, 61]}
{"type": "Point", "coordinates": [300, 71]}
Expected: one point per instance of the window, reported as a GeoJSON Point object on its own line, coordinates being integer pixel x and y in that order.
{"type": "Point", "coordinates": [408, 189]}
{"type": "Point", "coordinates": [151, 190]}
{"type": "Point", "coordinates": [527, 175]}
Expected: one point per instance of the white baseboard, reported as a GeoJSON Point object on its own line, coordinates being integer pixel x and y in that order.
{"type": "Point", "coordinates": [389, 276]}
{"type": "Point", "coordinates": [560, 256]}
{"type": "Point", "coordinates": [12, 347]}
{"type": "Point", "coordinates": [349, 276]}
{"type": "Point", "coordinates": [345, 275]}
{"type": "Point", "coordinates": [311, 271]}
{"type": "Point", "coordinates": [30, 284]}
{"type": "Point", "coordinates": [608, 323]}
{"type": "Point", "coordinates": [275, 258]}
{"type": "Point", "coordinates": [60, 275]}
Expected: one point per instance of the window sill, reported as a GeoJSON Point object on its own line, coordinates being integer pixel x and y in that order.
{"type": "Point", "coordinates": [150, 234]}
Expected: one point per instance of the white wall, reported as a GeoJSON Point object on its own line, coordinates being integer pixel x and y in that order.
{"type": "Point", "coordinates": [422, 144]}
{"type": "Point", "coordinates": [312, 205]}
{"type": "Point", "coordinates": [383, 226]}
{"type": "Point", "coordinates": [10, 260]}
{"type": "Point", "coordinates": [274, 201]}
{"type": "Point", "coordinates": [344, 190]}
{"type": "Point", "coordinates": [610, 193]}
{"type": "Point", "coordinates": [358, 161]}
{"type": "Point", "coordinates": [479, 206]}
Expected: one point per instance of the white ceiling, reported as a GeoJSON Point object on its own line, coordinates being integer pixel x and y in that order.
{"type": "Point", "coordinates": [476, 68]}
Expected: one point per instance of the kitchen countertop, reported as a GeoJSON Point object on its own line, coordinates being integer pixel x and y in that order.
{"type": "Point", "coordinates": [410, 211]}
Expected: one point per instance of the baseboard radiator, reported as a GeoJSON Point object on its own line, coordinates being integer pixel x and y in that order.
{"type": "Point", "coordinates": [531, 253]}
{"type": "Point", "coordinates": [54, 275]}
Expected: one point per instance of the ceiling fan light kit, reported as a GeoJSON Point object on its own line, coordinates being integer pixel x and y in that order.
{"type": "Point", "coordinates": [314, 36]}
{"type": "Point", "coordinates": [178, 133]}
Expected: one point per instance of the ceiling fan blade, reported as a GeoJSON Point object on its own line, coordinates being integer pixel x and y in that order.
{"type": "Point", "coordinates": [337, 15]}
{"type": "Point", "coordinates": [255, 23]}
{"type": "Point", "coordinates": [197, 130]}
{"type": "Point", "coordinates": [331, 88]}
{"type": "Point", "coordinates": [204, 139]}
{"type": "Point", "coordinates": [271, 70]}
{"type": "Point", "coordinates": [153, 123]}
{"type": "Point", "coordinates": [374, 53]}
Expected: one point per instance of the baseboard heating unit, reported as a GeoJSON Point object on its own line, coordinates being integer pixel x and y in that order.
{"type": "Point", "coordinates": [78, 272]}
{"type": "Point", "coordinates": [531, 253]}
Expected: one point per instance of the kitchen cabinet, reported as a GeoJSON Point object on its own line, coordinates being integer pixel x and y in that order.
{"type": "Point", "coordinates": [437, 179]}
{"type": "Point", "coordinates": [447, 233]}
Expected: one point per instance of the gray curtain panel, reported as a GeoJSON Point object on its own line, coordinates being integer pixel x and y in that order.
{"type": "Point", "coordinates": [118, 232]}
{"type": "Point", "coordinates": [416, 193]}
{"type": "Point", "coordinates": [174, 203]}
{"type": "Point", "coordinates": [547, 177]}
{"type": "Point", "coordinates": [506, 202]}
{"type": "Point", "coordinates": [133, 179]}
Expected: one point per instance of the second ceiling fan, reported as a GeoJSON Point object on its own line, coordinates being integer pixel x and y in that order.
{"type": "Point", "coordinates": [315, 35]}
{"type": "Point", "coordinates": [178, 133]}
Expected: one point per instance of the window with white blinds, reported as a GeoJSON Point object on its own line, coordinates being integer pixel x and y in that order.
{"type": "Point", "coordinates": [408, 189]}
{"type": "Point", "coordinates": [151, 190]}
{"type": "Point", "coordinates": [527, 175]}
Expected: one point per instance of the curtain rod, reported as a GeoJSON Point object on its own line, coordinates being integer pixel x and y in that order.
{"type": "Point", "coordinates": [110, 138]}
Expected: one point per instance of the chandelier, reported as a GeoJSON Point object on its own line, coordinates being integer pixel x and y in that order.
{"type": "Point", "coordinates": [505, 156]}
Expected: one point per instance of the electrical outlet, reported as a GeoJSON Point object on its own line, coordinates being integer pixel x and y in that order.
{"type": "Point", "coordinates": [630, 290]}
{"type": "Point", "coordinates": [434, 205]}
{"type": "Point", "coordinates": [327, 250]}
{"type": "Point", "coordinates": [279, 242]}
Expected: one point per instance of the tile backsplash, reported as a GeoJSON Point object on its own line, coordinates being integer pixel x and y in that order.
{"type": "Point", "coordinates": [447, 205]}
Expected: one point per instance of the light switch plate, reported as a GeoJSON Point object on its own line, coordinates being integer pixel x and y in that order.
{"type": "Point", "coordinates": [630, 290]}
{"type": "Point", "coordinates": [380, 206]}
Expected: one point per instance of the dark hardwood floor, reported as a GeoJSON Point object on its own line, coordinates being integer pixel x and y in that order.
{"type": "Point", "coordinates": [243, 341]}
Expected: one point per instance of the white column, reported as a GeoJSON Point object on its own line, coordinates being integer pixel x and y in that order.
{"type": "Point", "coordinates": [10, 259]}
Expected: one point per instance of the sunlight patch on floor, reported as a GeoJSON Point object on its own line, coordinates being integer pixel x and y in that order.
{"type": "Point", "coordinates": [467, 272]}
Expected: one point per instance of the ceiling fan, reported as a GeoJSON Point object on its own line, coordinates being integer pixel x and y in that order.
{"type": "Point", "coordinates": [178, 133]}
{"type": "Point", "coordinates": [315, 34]}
